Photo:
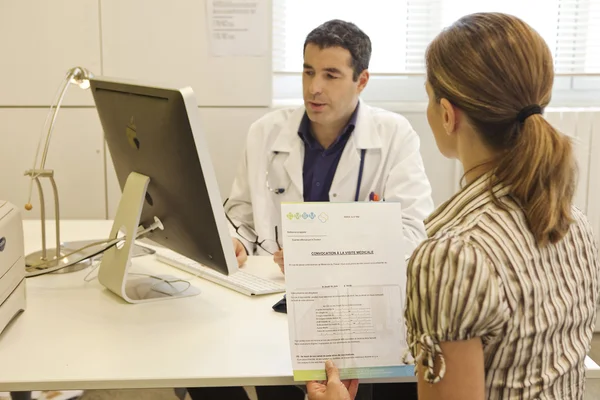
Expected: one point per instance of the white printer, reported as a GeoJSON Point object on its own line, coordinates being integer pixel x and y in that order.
{"type": "Point", "coordinates": [12, 264]}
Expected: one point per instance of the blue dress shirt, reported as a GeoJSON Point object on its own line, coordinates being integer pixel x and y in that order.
{"type": "Point", "coordinates": [320, 164]}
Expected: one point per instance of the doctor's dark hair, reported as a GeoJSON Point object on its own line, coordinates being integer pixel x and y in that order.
{"type": "Point", "coordinates": [338, 33]}
{"type": "Point", "coordinates": [492, 66]}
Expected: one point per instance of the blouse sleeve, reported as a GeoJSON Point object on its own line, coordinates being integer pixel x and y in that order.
{"type": "Point", "coordinates": [453, 294]}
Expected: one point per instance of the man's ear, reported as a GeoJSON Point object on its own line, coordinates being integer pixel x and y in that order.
{"type": "Point", "coordinates": [449, 116]}
{"type": "Point", "coordinates": [363, 79]}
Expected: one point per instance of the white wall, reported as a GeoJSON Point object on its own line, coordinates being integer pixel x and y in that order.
{"type": "Point", "coordinates": [133, 39]}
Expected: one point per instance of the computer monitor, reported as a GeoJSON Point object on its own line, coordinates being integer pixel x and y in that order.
{"type": "Point", "coordinates": [155, 131]}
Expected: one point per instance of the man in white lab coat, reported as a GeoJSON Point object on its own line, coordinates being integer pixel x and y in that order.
{"type": "Point", "coordinates": [334, 148]}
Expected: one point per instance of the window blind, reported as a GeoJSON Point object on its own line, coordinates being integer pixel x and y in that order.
{"type": "Point", "coordinates": [400, 30]}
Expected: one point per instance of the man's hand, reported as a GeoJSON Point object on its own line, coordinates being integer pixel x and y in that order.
{"type": "Point", "coordinates": [278, 258]}
{"type": "Point", "coordinates": [334, 389]}
{"type": "Point", "coordinates": [240, 252]}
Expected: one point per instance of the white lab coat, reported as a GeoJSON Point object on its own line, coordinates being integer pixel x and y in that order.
{"type": "Point", "coordinates": [393, 169]}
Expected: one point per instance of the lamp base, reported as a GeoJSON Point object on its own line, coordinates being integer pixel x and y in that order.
{"type": "Point", "coordinates": [35, 261]}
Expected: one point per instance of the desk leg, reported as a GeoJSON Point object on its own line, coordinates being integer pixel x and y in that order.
{"type": "Point", "coordinates": [20, 395]}
{"type": "Point", "coordinates": [180, 393]}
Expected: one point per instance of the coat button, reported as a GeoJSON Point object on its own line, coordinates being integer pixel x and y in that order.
{"type": "Point", "coordinates": [334, 194]}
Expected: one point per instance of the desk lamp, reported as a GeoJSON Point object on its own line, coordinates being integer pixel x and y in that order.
{"type": "Point", "coordinates": [49, 258]}
{"type": "Point", "coordinates": [56, 257]}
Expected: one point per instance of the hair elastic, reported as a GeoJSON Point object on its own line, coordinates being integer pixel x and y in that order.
{"type": "Point", "coordinates": [528, 112]}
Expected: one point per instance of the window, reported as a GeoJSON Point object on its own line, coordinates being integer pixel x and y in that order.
{"type": "Point", "coordinates": [401, 29]}
{"type": "Point", "coordinates": [299, 17]}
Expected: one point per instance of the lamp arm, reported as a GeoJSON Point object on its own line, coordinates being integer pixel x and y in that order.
{"type": "Point", "coordinates": [59, 94]}
{"type": "Point", "coordinates": [77, 75]}
{"type": "Point", "coordinates": [54, 115]}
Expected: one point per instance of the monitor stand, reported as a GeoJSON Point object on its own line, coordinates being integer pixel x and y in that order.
{"type": "Point", "coordinates": [114, 267]}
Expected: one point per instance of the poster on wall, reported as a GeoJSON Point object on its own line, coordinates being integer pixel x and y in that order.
{"type": "Point", "coordinates": [238, 28]}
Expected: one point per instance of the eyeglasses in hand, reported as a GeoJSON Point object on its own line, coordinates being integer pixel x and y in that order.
{"type": "Point", "coordinates": [249, 234]}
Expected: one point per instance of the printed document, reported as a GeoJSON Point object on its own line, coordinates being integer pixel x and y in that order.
{"type": "Point", "coordinates": [238, 28]}
{"type": "Point", "coordinates": [345, 274]}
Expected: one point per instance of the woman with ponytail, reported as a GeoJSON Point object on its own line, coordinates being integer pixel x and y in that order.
{"type": "Point", "coordinates": [501, 297]}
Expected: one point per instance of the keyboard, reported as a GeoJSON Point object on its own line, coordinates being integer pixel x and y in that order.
{"type": "Point", "coordinates": [240, 281]}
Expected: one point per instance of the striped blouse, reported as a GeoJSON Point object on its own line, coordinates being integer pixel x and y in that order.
{"type": "Point", "coordinates": [481, 274]}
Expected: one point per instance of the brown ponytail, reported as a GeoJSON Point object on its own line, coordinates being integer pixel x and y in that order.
{"type": "Point", "coordinates": [492, 66]}
{"type": "Point", "coordinates": [541, 173]}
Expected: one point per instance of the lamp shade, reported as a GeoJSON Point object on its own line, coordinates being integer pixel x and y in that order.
{"type": "Point", "coordinates": [81, 77]}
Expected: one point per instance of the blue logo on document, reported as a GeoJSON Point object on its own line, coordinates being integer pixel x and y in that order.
{"type": "Point", "coordinates": [302, 216]}
{"type": "Point", "coordinates": [2, 244]}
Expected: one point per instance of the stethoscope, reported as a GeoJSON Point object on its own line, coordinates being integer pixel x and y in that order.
{"type": "Point", "coordinates": [276, 189]}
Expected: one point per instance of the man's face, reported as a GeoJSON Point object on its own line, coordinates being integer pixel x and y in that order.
{"type": "Point", "coordinates": [330, 93]}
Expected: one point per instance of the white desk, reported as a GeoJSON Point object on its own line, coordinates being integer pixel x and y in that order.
{"type": "Point", "coordinates": [78, 335]}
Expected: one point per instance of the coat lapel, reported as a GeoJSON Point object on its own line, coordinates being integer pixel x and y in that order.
{"type": "Point", "coordinates": [364, 137]}
{"type": "Point", "coordinates": [289, 145]}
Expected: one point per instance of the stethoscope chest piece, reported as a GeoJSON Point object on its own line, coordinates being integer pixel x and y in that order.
{"type": "Point", "coordinates": [276, 184]}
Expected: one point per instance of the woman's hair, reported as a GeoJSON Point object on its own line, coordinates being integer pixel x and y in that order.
{"type": "Point", "coordinates": [499, 72]}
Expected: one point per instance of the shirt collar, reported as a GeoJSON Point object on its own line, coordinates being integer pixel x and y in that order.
{"type": "Point", "coordinates": [308, 138]}
{"type": "Point", "coordinates": [472, 197]}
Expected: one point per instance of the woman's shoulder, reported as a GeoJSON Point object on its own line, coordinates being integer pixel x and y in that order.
{"type": "Point", "coordinates": [493, 230]}
{"type": "Point", "coordinates": [475, 233]}
{"type": "Point", "coordinates": [581, 220]}
{"type": "Point", "coordinates": [452, 246]}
